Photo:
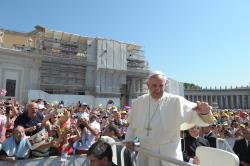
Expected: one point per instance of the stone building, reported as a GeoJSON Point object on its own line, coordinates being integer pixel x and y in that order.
{"type": "Point", "coordinates": [227, 98]}
{"type": "Point", "coordinates": [63, 63]}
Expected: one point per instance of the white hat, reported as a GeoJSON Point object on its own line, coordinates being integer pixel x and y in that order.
{"type": "Point", "coordinates": [83, 115]}
{"type": "Point", "coordinates": [187, 126]}
{"type": "Point", "coordinates": [41, 106]}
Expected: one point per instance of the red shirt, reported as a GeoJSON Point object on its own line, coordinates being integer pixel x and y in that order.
{"type": "Point", "coordinates": [68, 148]}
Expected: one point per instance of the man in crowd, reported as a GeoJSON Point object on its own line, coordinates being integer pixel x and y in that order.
{"type": "Point", "coordinates": [15, 146]}
{"type": "Point", "coordinates": [90, 130]}
{"type": "Point", "coordinates": [31, 119]}
{"type": "Point", "coordinates": [113, 132]}
{"type": "Point", "coordinates": [100, 154]}
{"type": "Point", "coordinates": [191, 141]}
{"type": "Point", "coordinates": [117, 118]}
{"type": "Point", "coordinates": [156, 119]}
{"type": "Point", "coordinates": [210, 136]}
{"type": "Point", "coordinates": [242, 147]}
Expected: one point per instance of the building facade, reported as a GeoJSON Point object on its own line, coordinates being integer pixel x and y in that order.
{"type": "Point", "coordinates": [232, 98]}
{"type": "Point", "coordinates": [64, 63]}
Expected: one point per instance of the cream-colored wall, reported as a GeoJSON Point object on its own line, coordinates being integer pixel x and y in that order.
{"type": "Point", "coordinates": [23, 68]}
{"type": "Point", "coordinates": [15, 38]}
{"type": "Point", "coordinates": [71, 99]}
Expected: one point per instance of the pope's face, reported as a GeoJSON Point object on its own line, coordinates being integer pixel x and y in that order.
{"type": "Point", "coordinates": [156, 85]}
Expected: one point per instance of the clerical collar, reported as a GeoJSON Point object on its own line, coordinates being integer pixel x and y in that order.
{"type": "Point", "coordinates": [247, 141]}
{"type": "Point", "coordinates": [208, 133]}
{"type": "Point", "coordinates": [157, 100]}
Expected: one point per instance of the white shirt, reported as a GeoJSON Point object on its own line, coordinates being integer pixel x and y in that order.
{"type": "Point", "coordinates": [87, 142]}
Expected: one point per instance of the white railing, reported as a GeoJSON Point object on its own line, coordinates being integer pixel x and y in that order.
{"type": "Point", "coordinates": [154, 155]}
{"type": "Point", "coordinates": [161, 157]}
{"type": "Point", "coordinates": [226, 153]}
{"type": "Point", "coordinates": [223, 144]}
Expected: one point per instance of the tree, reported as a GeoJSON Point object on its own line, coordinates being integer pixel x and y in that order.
{"type": "Point", "coordinates": [191, 86]}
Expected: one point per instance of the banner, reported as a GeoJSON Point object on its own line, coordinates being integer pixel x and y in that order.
{"type": "Point", "coordinates": [36, 140]}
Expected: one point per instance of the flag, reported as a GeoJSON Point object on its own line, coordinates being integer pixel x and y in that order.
{"type": "Point", "coordinates": [3, 92]}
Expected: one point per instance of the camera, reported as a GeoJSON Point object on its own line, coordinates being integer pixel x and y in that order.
{"type": "Point", "coordinates": [81, 126]}
{"type": "Point", "coordinates": [76, 116]}
{"type": "Point", "coordinates": [7, 110]}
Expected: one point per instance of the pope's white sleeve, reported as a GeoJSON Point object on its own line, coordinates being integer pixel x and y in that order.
{"type": "Point", "coordinates": [129, 135]}
{"type": "Point", "coordinates": [189, 115]}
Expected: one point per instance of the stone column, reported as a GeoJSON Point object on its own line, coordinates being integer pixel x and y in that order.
{"type": "Point", "coordinates": [237, 101]}
{"type": "Point", "coordinates": [141, 86]}
{"type": "Point", "coordinates": [133, 82]}
{"type": "Point", "coordinates": [229, 101]}
{"type": "Point", "coordinates": [216, 100]}
{"type": "Point", "coordinates": [226, 101]}
{"type": "Point", "coordinates": [232, 101]}
{"type": "Point", "coordinates": [248, 101]}
{"type": "Point", "coordinates": [137, 86]}
{"type": "Point", "coordinates": [242, 97]}
{"type": "Point", "coordinates": [211, 100]}
{"type": "Point", "coordinates": [191, 98]}
{"type": "Point", "coordinates": [195, 98]}
{"type": "Point", "coordinates": [221, 101]}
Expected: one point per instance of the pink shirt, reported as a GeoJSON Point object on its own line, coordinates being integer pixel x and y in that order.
{"type": "Point", "coordinates": [2, 127]}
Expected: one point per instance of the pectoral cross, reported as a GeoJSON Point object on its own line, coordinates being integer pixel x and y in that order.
{"type": "Point", "coordinates": [148, 130]}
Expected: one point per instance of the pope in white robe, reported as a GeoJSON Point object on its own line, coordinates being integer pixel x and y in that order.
{"type": "Point", "coordinates": [156, 119]}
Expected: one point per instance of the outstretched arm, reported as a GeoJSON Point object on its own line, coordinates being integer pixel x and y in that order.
{"type": "Point", "coordinates": [205, 112]}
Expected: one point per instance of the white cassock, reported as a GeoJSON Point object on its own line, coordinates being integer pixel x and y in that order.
{"type": "Point", "coordinates": [163, 117]}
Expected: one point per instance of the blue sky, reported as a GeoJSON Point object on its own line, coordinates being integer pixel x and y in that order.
{"type": "Point", "coordinates": [205, 42]}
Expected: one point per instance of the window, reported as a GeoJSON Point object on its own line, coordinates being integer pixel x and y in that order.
{"type": "Point", "coordinates": [11, 87]}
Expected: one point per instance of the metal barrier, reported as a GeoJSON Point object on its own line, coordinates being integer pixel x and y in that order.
{"type": "Point", "coordinates": [223, 144]}
{"type": "Point", "coordinates": [53, 161]}
{"type": "Point", "coordinates": [82, 159]}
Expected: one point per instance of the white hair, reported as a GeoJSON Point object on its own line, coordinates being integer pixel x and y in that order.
{"type": "Point", "coordinates": [157, 72]}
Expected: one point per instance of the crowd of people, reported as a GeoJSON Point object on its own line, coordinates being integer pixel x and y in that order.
{"type": "Point", "coordinates": [42, 129]}
{"type": "Point", "coordinates": [233, 126]}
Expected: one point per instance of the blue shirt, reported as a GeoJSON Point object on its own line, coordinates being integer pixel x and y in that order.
{"type": "Point", "coordinates": [26, 122]}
